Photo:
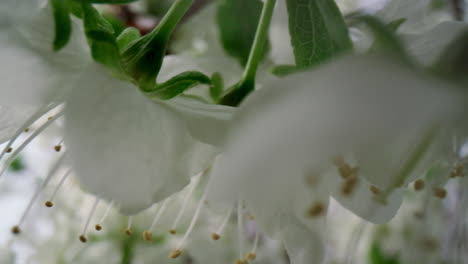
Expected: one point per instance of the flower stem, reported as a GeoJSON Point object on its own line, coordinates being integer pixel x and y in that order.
{"type": "Point", "coordinates": [259, 42]}
{"type": "Point", "coordinates": [247, 84]}
{"type": "Point", "coordinates": [173, 16]}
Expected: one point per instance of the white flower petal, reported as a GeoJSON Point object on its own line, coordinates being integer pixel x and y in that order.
{"type": "Point", "coordinates": [299, 124]}
{"type": "Point", "coordinates": [127, 148]}
{"type": "Point", "coordinates": [31, 72]}
{"type": "Point", "coordinates": [11, 119]}
{"type": "Point", "coordinates": [428, 46]}
{"type": "Point", "coordinates": [207, 122]}
{"type": "Point", "coordinates": [363, 202]}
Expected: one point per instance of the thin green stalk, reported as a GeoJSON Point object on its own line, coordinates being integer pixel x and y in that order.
{"type": "Point", "coordinates": [259, 42]}
{"type": "Point", "coordinates": [173, 16]}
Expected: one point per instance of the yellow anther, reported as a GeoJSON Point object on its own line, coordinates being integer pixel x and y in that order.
{"type": "Point", "coordinates": [128, 232]}
{"type": "Point", "coordinates": [26, 130]}
{"type": "Point", "coordinates": [457, 171]}
{"type": "Point", "coordinates": [49, 204]}
{"type": "Point", "coordinates": [148, 236]}
{"type": "Point", "coordinates": [316, 209]}
{"type": "Point", "coordinates": [175, 253]}
{"type": "Point", "coordinates": [58, 148]}
{"type": "Point", "coordinates": [375, 190]}
{"type": "Point", "coordinates": [419, 185]}
{"type": "Point", "coordinates": [251, 256]}
{"type": "Point", "coordinates": [440, 192]}
{"type": "Point", "coordinates": [98, 227]}
{"type": "Point", "coordinates": [215, 236]}
{"type": "Point", "coordinates": [16, 230]}
{"type": "Point", "coordinates": [349, 185]}
{"type": "Point", "coordinates": [83, 239]}
{"type": "Point", "coordinates": [250, 217]}
{"type": "Point", "coordinates": [242, 261]}
{"type": "Point", "coordinates": [9, 150]}
{"type": "Point", "coordinates": [172, 231]}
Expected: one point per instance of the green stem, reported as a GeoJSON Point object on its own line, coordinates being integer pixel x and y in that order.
{"type": "Point", "coordinates": [236, 94]}
{"type": "Point", "coordinates": [173, 16]}
{"type": "Point", "coordinates": [259, 42]}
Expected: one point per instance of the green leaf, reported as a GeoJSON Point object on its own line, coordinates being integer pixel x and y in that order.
{"type": "Point", "coordinates": [376, 256]}
{"type": "Point", "coordinates": [116, 23]}
{"type": "Point", "coordinates": [178, 84]}
{"type": "Point", "coordinates": [238, 31]}
{"type": "Point", "coordinates": [129, 35]}
{"type": "Point", "coordinates": [385, 38]}
{"type": "Point", "coordinates": [101, 38]}
{"type": "Point", "coordinates": [143, 58]}
{"type": "Point", "coordinates": [318, 31]}
{"type": "Point", "coordinates": [284, 70]}
{"type": "Point", "coordinates": [62, 19]}
{"type": "Point", "coordinates": [217, 86]}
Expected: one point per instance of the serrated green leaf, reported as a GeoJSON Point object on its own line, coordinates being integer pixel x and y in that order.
{"type": "Point", "coordinates": [178, 84]}
{"type": "Point", "coordinates": [385, 38]}
{"type": "Point", "coordinates": [318, 31]}
{"type": "Point", "coordinates": [217, 86]}
{"type": "Point", "coordinates": [238, 32]}
{"type": "Point", "coordinates": [129, 35]}
{"type": "Point", "coordinates": [62, 19]}
{"type": "Point", "coordinates": [101, 38]}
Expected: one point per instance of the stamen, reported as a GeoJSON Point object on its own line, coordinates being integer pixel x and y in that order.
{"type": "Point", "coordinates": [98, 226]}
{"type": "Point", "coordinates": [128, 231]}
{"type": "Point", "coordinates": [16, 229]}
{"type": "Point", "coordinates": [58, 147]}
{"type": "Point", "coordinates": [457, 171]}
{"type": "Point", "coordinates": [88, 220]}
{"type": "Point", "coordinates": [50, 202]}
{"type": "Point", "coordinates": [148, 235]}
{"type": "Point", "coordinates": [419, 185]}
{"type": "Point", "coordinates": [316, 209]}
{"type": "Point", "coordinates": [219, 232]}
{"type": "Point", "coordinates": [253, 253]}
{"type": "Point", "coordinates": [40, 112]}
{"type": "Point", "coordinates": [349, 184]}
{"type": "Point", "coordinates": [184, 206]}
{"type": "Point", "coordinates": [439, 192]}
{"type": "Point", "coordinates": [13, 156]}
{"type": "Point", "coordinates": [375, 190]}
{"type": "Point", "coordinates": [26, 130]}
{"type": "Point", "coordinates": [240, 229]}
{"type": "Point", "coordinates": [178, 250]}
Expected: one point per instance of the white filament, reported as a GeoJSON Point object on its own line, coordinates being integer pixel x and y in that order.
{"type": "Point", "coordinates": [62, 180]}
{"type": "Point", "coordinates": [159, 213]}
{"type": "Point", "coordinates": [225, 221]}
{"type": "Point", "coordinates": [129, 224]}
{"type": "Point", "coordinates": [52, 171]}
{"type": "Point", "coordinates": [240, 229]}
{"type": "Point", "coordinates": [13, 156]}
{"type": "Point", "coordinates": [106, 213]}
{"type": "Point", "coordinates": [257, 235]}
{"type": "Point", "coordinates": [90, 216]}
{"type": "Point", "coordinates": [39, 113]}
{"type": "Point", "coordinates": [185, 203]}
{"type": "Point", "coordinates": [194, 219]}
